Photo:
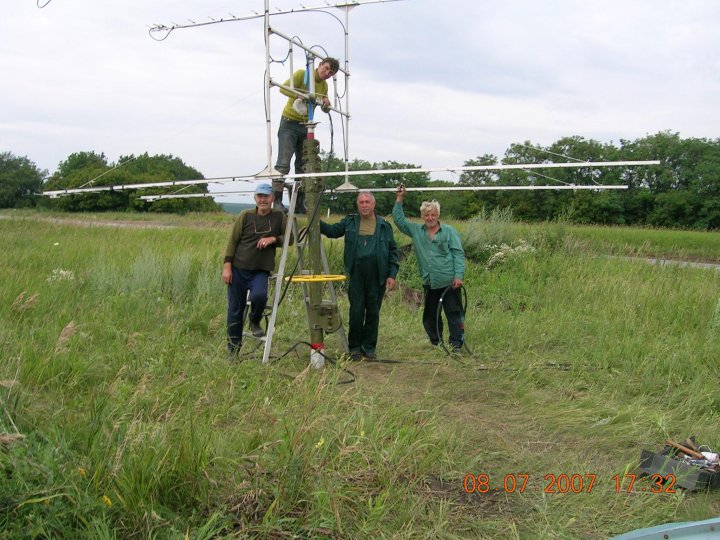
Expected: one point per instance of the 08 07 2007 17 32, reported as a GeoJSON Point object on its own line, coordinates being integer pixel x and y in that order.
{"type": "Point", "coordinates": [568, 483]}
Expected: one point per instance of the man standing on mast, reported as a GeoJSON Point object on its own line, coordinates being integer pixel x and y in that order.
{"type": "Point", "coordinates": [293, 132]}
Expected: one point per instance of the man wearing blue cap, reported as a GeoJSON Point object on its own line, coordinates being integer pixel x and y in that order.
{"type": "Point", "coordinates": [249, 261]}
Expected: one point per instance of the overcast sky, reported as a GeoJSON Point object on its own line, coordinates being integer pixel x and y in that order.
{"type": "Point", "coordinates": [434, 83]}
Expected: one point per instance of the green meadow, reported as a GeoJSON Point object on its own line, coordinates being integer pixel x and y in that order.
{"type": "Point", "coordinates": [122, 416]}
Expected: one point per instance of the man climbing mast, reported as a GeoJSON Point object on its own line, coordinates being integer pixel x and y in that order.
{"type": "Point", "coordinates": [297, 113]}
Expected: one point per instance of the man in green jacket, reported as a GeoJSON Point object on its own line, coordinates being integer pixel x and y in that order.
{"type": "Point", "coordinates": [371, 264]}
{"type": "Point", "coordinates": [441, 261]}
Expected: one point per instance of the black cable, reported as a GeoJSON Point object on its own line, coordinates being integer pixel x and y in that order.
{"type": "Point", "coordinates": [346, 158]}
{"type": "Point", "coordinates": [274, 61]}
{"type": "Point", "coordinates": [300, 238]}
{"type": "Point", "coordinates": [332, 143]}
{"type": "Point", "coordinates": [323, 50]}
{"type": "Point", "coordinates": [463, 305]}
{"type": "Point", "coordinates": [330, 360]}
{"type": "Point", "coordinates": [340, 96]}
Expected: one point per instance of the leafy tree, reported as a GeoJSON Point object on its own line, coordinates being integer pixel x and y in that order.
{"type": "Point", "coordinates": [602, 208]}
{"type": "Point", "coordinates": [637, 204]}
{"type": "Point", "coordinates": [82, 161]}
{"type": "Point", "coordinates": [340, 203]}
{"type": "Point", "coordinates": [473, 202]}
{"type": "Point", "coordinates": [20, 181]}
{"type": "Point", "coordinates": [664, 146]}
{"type": "Point", "coordinates": [674, 208]}
{"type": "Point", "coordinates": [84, 169]}
{"type": "Point", "coordinates": [708, 216]}
{"type": "Point", "coordinates": [685, 187]}
{"type": "Point", "coordinates": [337, 202]}
{"type": "Point", "coordinates": [681, 192]}
{"type": "Point", "coordinates": [549, 204]}
{"type": "Point", "coordinates": [453, 204]}
{"type": "Point", "coordinates": [684, 191]}
{"type": "Point", "coordinates": [526, 205]}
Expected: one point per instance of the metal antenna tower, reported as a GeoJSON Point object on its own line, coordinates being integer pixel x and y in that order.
{"type": "Point", "coordinates": [321, 314]}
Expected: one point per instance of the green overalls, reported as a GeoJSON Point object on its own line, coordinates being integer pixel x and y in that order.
{"type": "Point", "coordinates": [366, 295]}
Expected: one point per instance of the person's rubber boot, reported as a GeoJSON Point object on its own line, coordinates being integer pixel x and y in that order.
{"type": "Point", "coordinates": [278, 201]}
{"type": "Point", "coordinates": [300, 203]}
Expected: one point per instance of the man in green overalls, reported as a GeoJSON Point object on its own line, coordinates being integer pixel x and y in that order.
{"type": "Point", "coordinates": [371, 264]}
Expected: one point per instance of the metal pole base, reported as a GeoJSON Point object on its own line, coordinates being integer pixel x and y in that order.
{"type": "Point", "coordinates": [317, 360]}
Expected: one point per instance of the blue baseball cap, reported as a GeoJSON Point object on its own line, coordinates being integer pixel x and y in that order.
{"type": "Point", "coordinates": [264, 189]}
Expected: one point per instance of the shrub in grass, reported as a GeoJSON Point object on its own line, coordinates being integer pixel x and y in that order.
{"type": "Point", "coordinates": [493, 238]}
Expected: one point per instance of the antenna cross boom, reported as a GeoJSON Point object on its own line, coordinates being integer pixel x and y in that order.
{"type": "Point", "coordinates": [229, 179]}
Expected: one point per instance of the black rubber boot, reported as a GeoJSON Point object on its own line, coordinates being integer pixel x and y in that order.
{"type": "Point", "coordinates": [300, 203]}
{"type": "Point", "coordinates": [278, 201]}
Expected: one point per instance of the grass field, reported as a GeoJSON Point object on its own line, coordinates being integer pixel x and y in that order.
{"type": "Point", "coordinates": [123, 418]}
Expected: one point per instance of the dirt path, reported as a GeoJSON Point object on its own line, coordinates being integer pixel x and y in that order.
{"type": "Point", "coordinates": [93, 221]}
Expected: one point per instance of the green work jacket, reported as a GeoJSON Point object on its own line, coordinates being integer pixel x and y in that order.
{"type": "Point", "coordinates": [250, 227]}
{"type": "Point", "coordinates": [439, 260]}
{"type": "Point", "coordinates": [387, 255]}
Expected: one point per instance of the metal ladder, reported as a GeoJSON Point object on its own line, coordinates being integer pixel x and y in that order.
{"type": "Point", "coordinates": [292, 228]}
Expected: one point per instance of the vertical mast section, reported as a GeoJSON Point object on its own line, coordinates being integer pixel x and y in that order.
{"type": "Point", "coordinates": [346, 185]}
{"type": "Point", "coordinates": [269, 169]}
{"type": "Point", "coordinates": [347, 9]}
{"type": "Point", "coordinates": [313, 186]}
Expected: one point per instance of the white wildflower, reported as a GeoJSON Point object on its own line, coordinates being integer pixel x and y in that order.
{"type": "Point", "coordinates": [506, 252]}
{"type": "Point", "coordinates": [60, 275]}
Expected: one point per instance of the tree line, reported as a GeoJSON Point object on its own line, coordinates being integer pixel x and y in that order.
{"type": "Point", "coordinates": [682, 192]}
{"type": "Point", "coordinates": [21, 183]}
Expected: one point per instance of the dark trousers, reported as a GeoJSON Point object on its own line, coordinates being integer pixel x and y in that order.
{"type": "Point", "coordinates": [255, 281]}
{"type": "Point", "coordinates": [291, 136]}
{"type": "Point", "coordinates": [366, 295]}
{"type": "Point", "coordinates": [452, 306]}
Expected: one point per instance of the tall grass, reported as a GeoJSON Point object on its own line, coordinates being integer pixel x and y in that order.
{"type": "Point", "coordinates": [129, 421]}
{"type": "Point", "coordinates": [656, 243]}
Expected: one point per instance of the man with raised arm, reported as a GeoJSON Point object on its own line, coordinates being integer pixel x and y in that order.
{"type": "Point", "coordinates": [441, 262]}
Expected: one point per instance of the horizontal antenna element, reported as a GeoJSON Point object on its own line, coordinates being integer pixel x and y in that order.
{"type": "Point", "coordinates": [370, 172]}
